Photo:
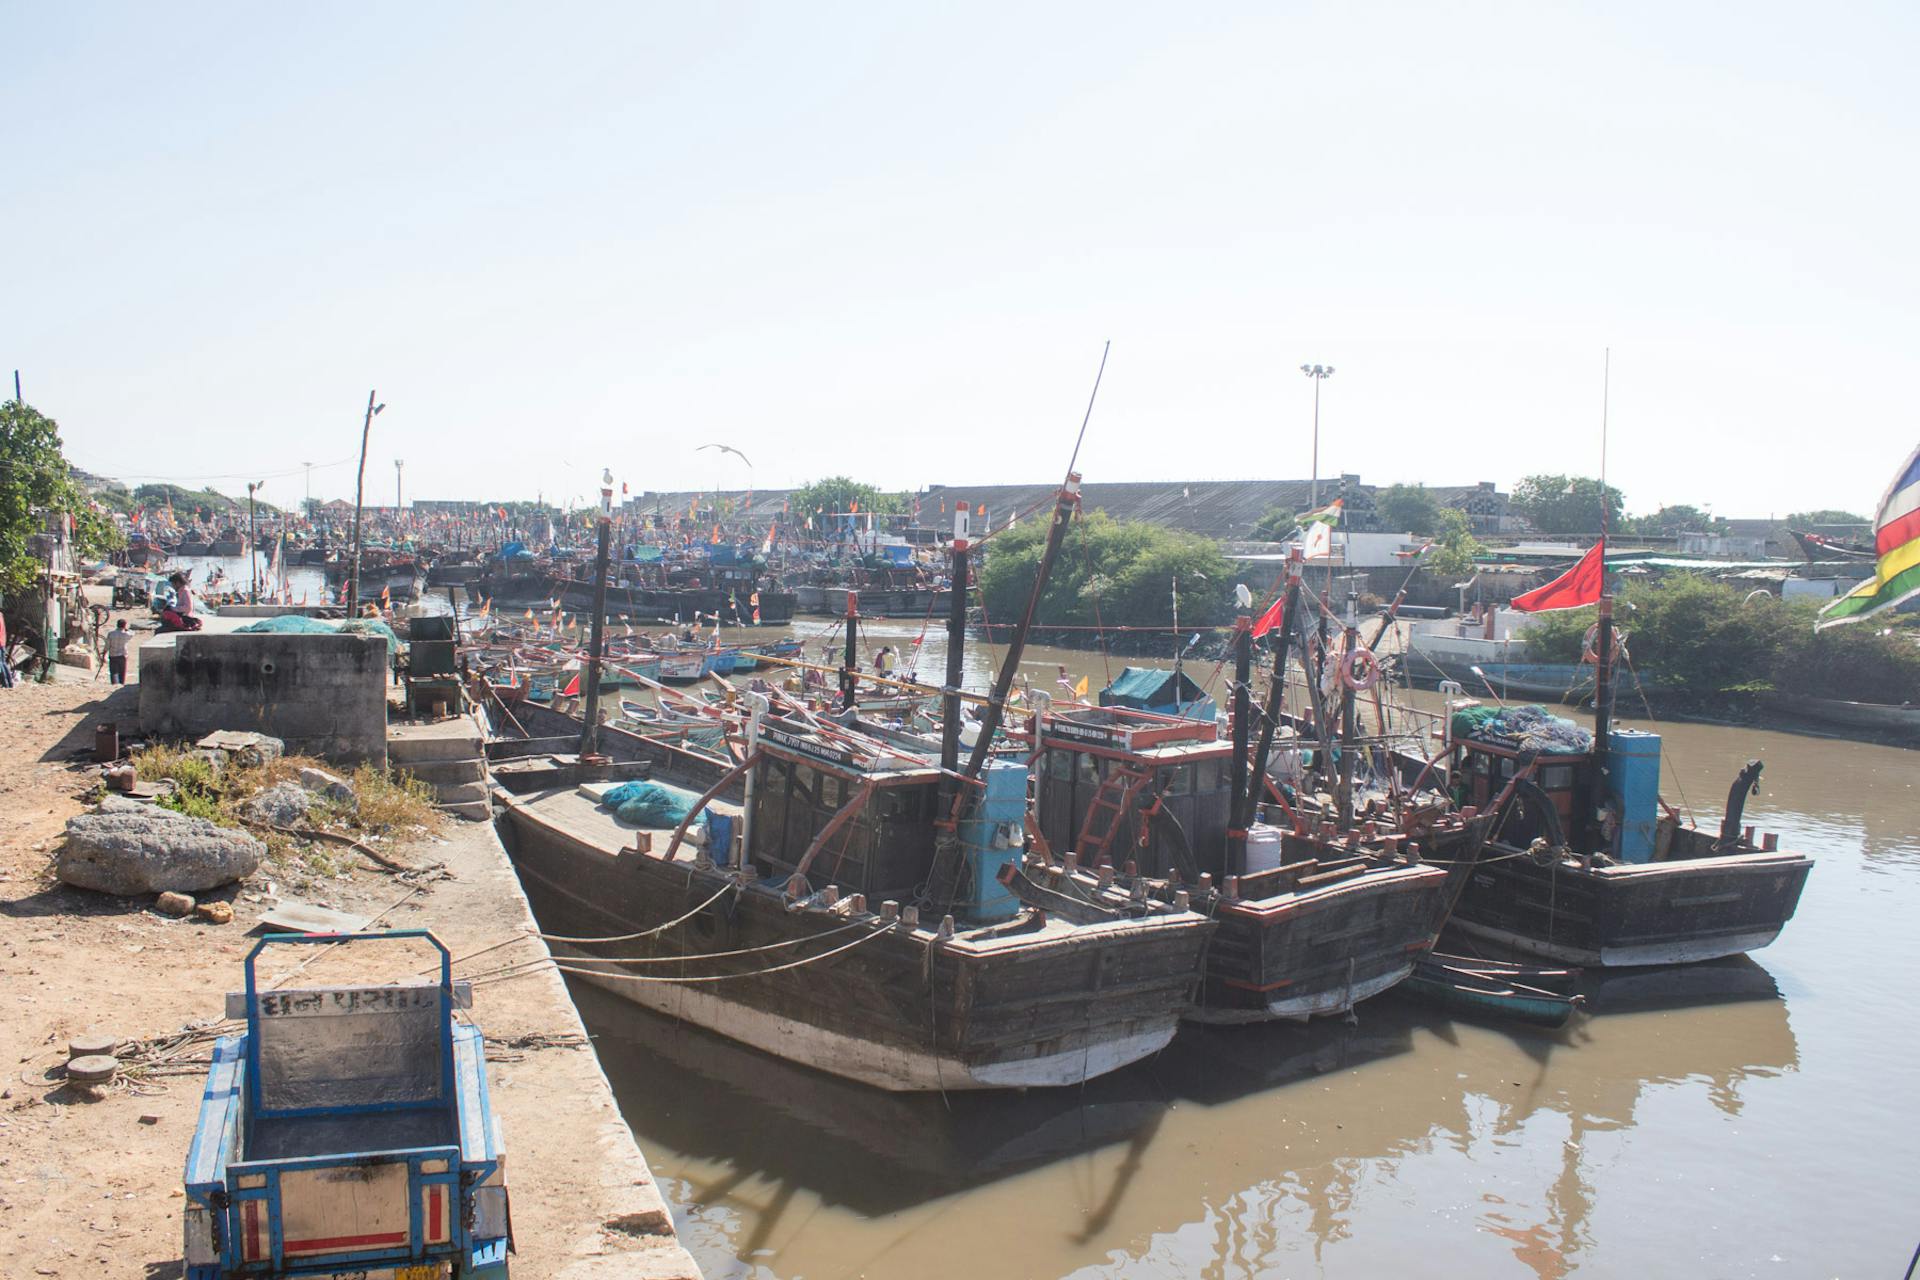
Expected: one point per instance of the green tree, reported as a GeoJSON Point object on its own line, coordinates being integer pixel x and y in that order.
{"type": "Point", "coordinates": [1275, 525]}
{"type": "Point", "coordinates": [1109, 573]}
{"type": "Point", "coordinates": [1692, 635]}
{"type": "Point", "coordinates": [1825, 515]}
{"type": "Point", "coordinates": [1409, 507]}
{"type": "Point", "coordinates": [36, 481]}
{"type": "Point", "coordinates": [1669, 522]}
{"type": "Point", "coordinates": [840, 493]}
{"type": "Point", "coordinates": [1567, 504]}
{"type": "Point", "coordinates": [1454, 544]}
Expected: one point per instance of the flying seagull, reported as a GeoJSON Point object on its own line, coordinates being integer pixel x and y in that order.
{"type": "Point", "coordinates": [727, 448]}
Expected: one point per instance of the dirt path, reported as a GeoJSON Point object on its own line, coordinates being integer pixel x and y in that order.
{"type": "Point", "coordinates": [93, 1186]}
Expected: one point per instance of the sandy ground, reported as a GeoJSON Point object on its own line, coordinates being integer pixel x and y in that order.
{"type": "Point", "coordinates": [92, 1185]}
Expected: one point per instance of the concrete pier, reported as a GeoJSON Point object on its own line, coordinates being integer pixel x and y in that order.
{"type": "Point", "coordinates": [92, 1185]}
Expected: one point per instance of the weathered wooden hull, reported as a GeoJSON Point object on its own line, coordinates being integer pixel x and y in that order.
{"type": "Point", "coordinates": [906, 1011]}
{"type": "Point", "coordinates": [1321, 951]}
{"type": "Point", "coordinates": [1672, 912]}
{"type": "Point", "coordinates": [876, 602]}
{"type": "Point", "coordinates": [1876, 717]}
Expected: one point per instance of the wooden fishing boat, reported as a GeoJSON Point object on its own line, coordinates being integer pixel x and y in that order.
{"type": "Point", "coordinates": [1880, 719]}
{"type": "Point", "coordinates": [1505, 992]}
{"type": "Point", "coordinates": [987, 996]}
{"type": "Point", "coordinates": [1309, 924]}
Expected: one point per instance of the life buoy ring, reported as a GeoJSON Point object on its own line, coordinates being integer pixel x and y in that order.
{"type": "Point", "coordinates": [1359, 669]}
{"type": "Point", "coordinates": [1589, 650]}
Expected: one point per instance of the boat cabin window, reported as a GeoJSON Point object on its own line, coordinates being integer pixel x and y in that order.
{"type": "Point", "coordinates": [1177, 781]}
{"type": "Point", "coordinates": [1087, 768]}
{"type": "Point", "coordinates": [1208, 776]}
{"type": "Point", "coordinates": [1558, 777]}
{"type": "Point", "coordinates": [1060, 765]}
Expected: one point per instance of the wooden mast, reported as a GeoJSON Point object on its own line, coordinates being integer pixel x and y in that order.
{"type": "Point", "coordinates": [590, 731]}
{"type": "Point", "coordinates": [1248, 802]}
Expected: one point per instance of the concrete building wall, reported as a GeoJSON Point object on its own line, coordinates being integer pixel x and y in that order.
{"type": "Point", "coordinates": [325, 695]}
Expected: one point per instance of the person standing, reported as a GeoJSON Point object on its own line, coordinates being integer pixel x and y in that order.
{"type": "Point", "coordinates": [119, 640]}
{"type": "Point", "coordinates": [6, 666]}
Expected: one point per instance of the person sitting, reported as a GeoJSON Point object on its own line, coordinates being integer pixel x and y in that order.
{"type": "Point", "coordinates": [178, 614]}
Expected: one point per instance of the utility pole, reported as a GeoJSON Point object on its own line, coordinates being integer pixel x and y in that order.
{"type": "Point", "coordinates": [397, 503]}
{"type": "Point", "coordinates": [359, 497]}
{"type": "Point", "coordinates": [1319, 374]}
{"type": "Point", "coordinates": [306, 508]}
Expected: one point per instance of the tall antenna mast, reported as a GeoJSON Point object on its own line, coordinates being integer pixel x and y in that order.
{"type": "Point", "coordinates": [1606, 385]}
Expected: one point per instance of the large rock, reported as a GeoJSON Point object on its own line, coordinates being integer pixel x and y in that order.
{"type": "Point", "coordinates": [332, 786]}
{"type": "Point", "coordinates": [249, 750]}
{"type": "Point", "coordinates": [128, 848]}
{"type": "Point", "coordinates": [282, 804]}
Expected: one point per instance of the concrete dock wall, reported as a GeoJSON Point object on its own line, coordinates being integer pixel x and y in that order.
{"type": "Point", "coordinates": [325, 695]}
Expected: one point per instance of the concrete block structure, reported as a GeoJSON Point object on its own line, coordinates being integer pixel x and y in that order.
{"type": "Point", "coordinates": [324, 695]}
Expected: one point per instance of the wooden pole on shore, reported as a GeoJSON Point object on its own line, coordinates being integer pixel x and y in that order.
{"type": "Point", "coordinates": [359, 496]}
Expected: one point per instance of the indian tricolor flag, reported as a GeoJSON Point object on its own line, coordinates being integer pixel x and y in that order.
{"type": "Point", "coordinates": [1896, 544]}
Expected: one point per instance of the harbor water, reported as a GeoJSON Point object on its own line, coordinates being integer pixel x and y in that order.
{"type": "Point", "coordinates": [1744, 1118]}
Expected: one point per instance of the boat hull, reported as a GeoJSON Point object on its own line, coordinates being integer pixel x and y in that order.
{"type": "Point", "coordinates": [1657, 913]}
{"type": "Point", "coordinates": [1320, 952]}
{"type": "Point", "coordinates": [881, 1065]}
{"type": "Point", "coordinates": [906, 1011]}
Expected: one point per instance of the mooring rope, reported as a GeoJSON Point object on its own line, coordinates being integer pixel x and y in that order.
{"type": "Point", "coordinates": [703, 955]}
{"type": "Point", "coordinates": [879, 931]}
{"type": "Point", "coordinates": [644, 933]}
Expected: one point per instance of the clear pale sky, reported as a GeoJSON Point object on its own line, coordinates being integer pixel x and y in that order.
{"type": "Point", "coordinates": [888, 240]}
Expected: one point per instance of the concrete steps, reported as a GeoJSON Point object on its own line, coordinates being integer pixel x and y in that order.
{"type": "Point", "coordinates": [449, 756]}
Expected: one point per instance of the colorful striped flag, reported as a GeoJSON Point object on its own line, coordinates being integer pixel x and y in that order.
{"type": "Point", "coordinates": [1896, 545]}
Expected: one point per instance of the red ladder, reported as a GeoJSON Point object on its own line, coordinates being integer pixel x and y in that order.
{"type": "Point", "coordinates": [1126, 784]}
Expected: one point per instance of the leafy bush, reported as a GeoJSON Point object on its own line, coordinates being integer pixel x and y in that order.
{"type": "Point", "coordinates": [1704, 637]}
{"type": "Point", "coordinates": [1114, 573]}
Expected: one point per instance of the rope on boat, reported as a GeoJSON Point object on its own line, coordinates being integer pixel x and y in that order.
{"type": "Point", "coordinates": [568, 967]}
{"type": "Point", "coordinates": [706, 955]}
{"type": "Point", "coordinates": [645, 933]}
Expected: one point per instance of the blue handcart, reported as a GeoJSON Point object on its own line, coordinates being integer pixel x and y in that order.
{"type": "Point", "coordinates": [347, 1132]}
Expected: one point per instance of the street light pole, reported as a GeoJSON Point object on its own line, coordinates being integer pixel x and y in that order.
{"type": "Point", "coordinates": [1319, 374]}
{"type": "Point", "coordinates": [397, 503]}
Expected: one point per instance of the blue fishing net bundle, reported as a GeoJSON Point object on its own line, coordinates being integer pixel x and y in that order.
{"type": "Point", "coordinates": [1530, 728]}
{"type": "Point", "coordinates": [296, 624]}
{"type": "Point", "coordinates": [650, 804]}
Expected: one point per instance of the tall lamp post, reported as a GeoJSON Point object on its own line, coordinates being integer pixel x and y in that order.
{"type": "Point", "coordinates": [1319, 373]}
{"type": "Point", "coordinates": [397, 503]}
{"type": "Point", "coordinates": [359, 497]}
{"type": "Point", "coordinates": [253, 543]}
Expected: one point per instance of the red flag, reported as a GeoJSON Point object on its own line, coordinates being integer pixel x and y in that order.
{"type": "Point", "coordinates": [1272, 618]}
{"type": "Point", "coordinates": [573, 687]}
{"type": "Point", "coordinates": [1578, 586]}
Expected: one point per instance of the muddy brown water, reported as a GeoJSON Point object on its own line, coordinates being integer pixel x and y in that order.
{"type": "Point", "coordinates": [1756, 1117]}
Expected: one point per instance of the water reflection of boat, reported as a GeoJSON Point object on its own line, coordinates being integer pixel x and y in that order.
{"type": "Point", "coordinates": [1264, 1144]}
{"type": "Point", "coordinates": [701, 1094]}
